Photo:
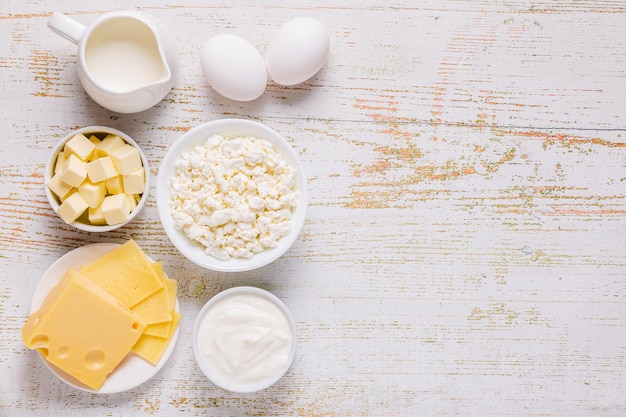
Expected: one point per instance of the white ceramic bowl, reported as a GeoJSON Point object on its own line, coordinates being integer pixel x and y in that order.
{"type": "Point", "coordinates": [99, 131]}
{"type": "Point", "coordinates": [212, 371]}
{"type": "Point", "coordinates": [197, 136]}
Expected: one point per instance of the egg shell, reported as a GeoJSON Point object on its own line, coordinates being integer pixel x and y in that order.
{"type": "Point", "coordinates": [234, 67]}
{"type": "Point", "coordinates": [297, 51]}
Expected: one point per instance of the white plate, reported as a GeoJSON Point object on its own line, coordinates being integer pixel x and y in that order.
{"type": "Point", "coordinates": [133, 370]}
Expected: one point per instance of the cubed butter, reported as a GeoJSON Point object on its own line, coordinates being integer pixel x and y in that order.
{"type": "Point", "coordinates": [109, 143]}
{"type": "Point", "coordinates": [72, 207]}
{"type": "Point", "coordinates": [95, 140]}
{"type": "Point", "coordinates": [101, 169]}
{"type": "Point", "coordinates": [96, 217]}
{"type": "Point", "coordinates": [73, 172]}
{"type": "Point", "coordinates": [58, 187]}
{"type": "Point", "coordinates": [60, 161]}
{"type": "Point", "coordinates": [92, 193]}
{"type": "Point", "coordinates": [126, 159]}
{"type": "Point", "coordinates": [115, 185]}
{"type": "Point", "coordinates": [132, 201]}
{"type": "Point", "coordinates": [72, 191]}
{"type": "Point", "coordinates": [115, 208]}
{"type": "Point", "coordinates": [82, 329]}
{"type": "Point", "coordinates": [80, 146]}
{"type": "Point", "coordinates": [134, 183]}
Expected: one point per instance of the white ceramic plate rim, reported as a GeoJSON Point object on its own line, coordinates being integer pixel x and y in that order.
{"type": "Point", "coordinates": [266, 382]}
{"type": "Point", "coordinates": [197, 136]}
{"type": "Point", "coordinates": [133, 370]}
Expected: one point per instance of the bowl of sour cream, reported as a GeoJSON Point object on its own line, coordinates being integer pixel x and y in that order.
{"type": "Point", "coordinates": [244, 339]}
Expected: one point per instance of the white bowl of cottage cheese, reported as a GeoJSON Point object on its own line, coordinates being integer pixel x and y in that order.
{"type": "Point", "coordinates": [231, 195]}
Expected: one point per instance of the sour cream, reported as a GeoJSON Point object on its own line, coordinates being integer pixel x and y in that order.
{"type": "Point", "coordinates": [244, 339]}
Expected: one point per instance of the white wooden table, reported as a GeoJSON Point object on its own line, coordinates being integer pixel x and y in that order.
{"type": "Point", "coordinates": [464, 252]}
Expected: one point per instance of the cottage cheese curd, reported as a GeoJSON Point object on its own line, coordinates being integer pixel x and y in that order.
{"type": "Point", "coordinates": [234, 196]}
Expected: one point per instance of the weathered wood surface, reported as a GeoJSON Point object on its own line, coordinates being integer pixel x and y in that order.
{"type": "Point", "coordinates": [465, 249]}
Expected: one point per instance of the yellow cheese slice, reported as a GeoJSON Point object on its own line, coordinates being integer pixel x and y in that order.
{"type": "Point", "coordinates": [82, 329]}
{"type": "Point", "coordinates": [154, 309]}
{"type": "Point", "coordinates": [158, 329]}
{"type": "Point", "coordinates": [151, 348]}
{"type": "Point", "coordinates": [159, 306]}
{"type": "Point", "coordinates": [126, 273]}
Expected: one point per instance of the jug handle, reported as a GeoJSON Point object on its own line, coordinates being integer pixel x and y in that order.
{"type": "Point", "coordinates": [67, 27]}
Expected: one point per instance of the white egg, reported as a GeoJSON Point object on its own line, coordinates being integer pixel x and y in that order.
{"type": "Point", "coordinates": [297, 51]}
{"type": "Point", "coordinates": [234, 68]}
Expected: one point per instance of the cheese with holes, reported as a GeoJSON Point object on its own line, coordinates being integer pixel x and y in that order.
{"type": "Point", "coordinates": [152, 348]}
{"type": "Point", "coordinates": [82, 329]}
{"type": "Point", "coordinates": [125, 272]}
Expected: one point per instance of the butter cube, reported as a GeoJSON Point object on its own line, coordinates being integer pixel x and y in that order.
{"type": "Point", "coordinates": [73, 172]}
{"type": "Point", "coordinates": [132, 201]}
{"type": "Point", "coordinates": [72, 208]}
{"type": "Point", "coordinates": [72, 191]}
{"type": "Point", "coordinates": [134, 183]}
{"type": "Point", "coordinates": [80, 146]}
{"type": "Point", "coordinates": [115, 208]}
{"type": "Point", "coordinates": [58, 187]}
{"type": "Point", "coordinates": [126, 159]}
{"type": "Point", "coordinates": [101, 169]}
{"type": "Point", "coordinates": [109, 143]}
{"type": "Point", "coordinates": [115, 185]}
{"type": "Point", "coordinates": [96, 217]}
{"type": "Point", "coordinates": [95, 140]}
{"type": "Point", "coordinates": [92, 193]}
{"type": "Point", "coordinates": [58, 165]}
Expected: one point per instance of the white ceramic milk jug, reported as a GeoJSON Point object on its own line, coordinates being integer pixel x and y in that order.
{"type": "Point", "coordinates": [125, 62]}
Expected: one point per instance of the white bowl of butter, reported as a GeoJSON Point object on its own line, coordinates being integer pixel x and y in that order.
{"type": "Point", "coordinates": [244, 339]}
{"type": "Point", "coordinates": [97, 179]}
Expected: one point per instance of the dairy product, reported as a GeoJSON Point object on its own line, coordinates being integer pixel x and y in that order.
{"type": "Point", "coordinates": [107, 144]}
{"type": "Point", "coordinates": [134, 182]}
{"type": "Point", "coordinates": [58, 187]}
{"type": "Point", "coordinates": [151, 348]}
{"type": "Point", "coordinates": [96, 217]}
{"type": "Point", "coordinates": [126, 272]}
{"type": "Point", "coordinates": [82, 329]}
{"type": "Point", "coordinates": [101, 169]}
{"type": "Point", "coordinates": [84, 312]}
{"type": "Point", "coordinates": [97, 169]}
{"type": "Point", "coordinates": [234, 196]}
{"type": "Point", "coordinates": [244, 338]}
{"type": "Point", "coordinates": [72, 207]}
{"type": "Point", "coordinates": [126, 159]}
{"type": "Point", "coordinates": [92, 193]}
{"type": "Point", "coordinates": [80, 146]}
{"type": "Point", "coordinates": [74, 171]}
{"type": "Point", "coordinates": [115, 208]}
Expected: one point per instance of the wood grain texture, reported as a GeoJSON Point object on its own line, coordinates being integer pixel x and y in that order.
{"type": "Point", "coordinates": [464, 252]}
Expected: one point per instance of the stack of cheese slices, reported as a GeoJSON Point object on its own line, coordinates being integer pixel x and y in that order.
{"type": "Point", "coordinates": [96, 315]}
